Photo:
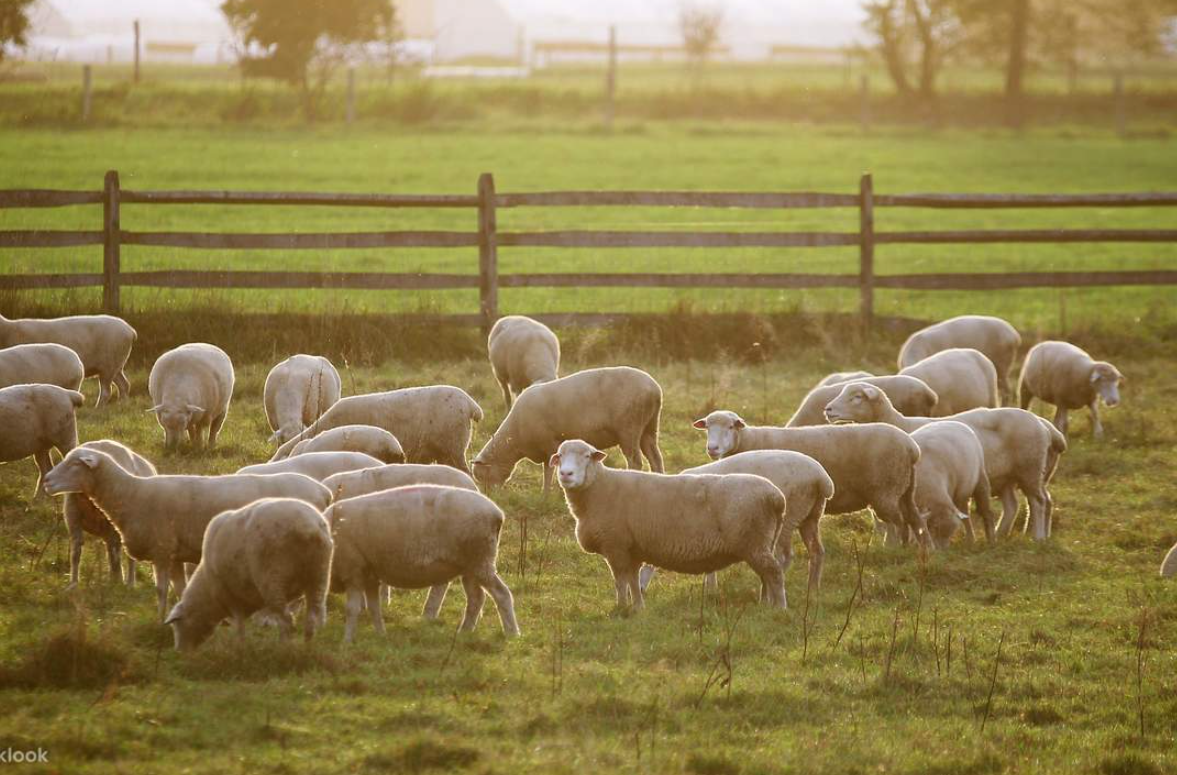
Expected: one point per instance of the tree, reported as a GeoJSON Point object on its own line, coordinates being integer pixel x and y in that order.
{"type": "Point", "coordinates": [14, 24]}
{"type": "Point", "coordinates": [919, 34]}
{"type": "Point", "coordinates": [701, 27]}
{"type": "Point", "coordinates": [303, 42]}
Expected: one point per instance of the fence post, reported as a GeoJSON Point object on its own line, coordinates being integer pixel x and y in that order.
{"type": "Point", "coordinates": [611, 80]}
{"type": "Point", "coordinates": [85, 93]}
{"type": "Point", "coordinates": [111, 238]}
{"type": "Point", "coordinates": [488, 252]}
{"type": "Point", "coordinates": [136, 51]}
{"type": "Point", "coordinates": [351, 95]}
{"type": "Point", "coordinates": [866, 250]}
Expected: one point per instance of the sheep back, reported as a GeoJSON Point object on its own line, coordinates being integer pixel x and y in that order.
{"type": "Point", "coordinates": [908, 394]}
{"type": "Point", "coordinates": [37, 418]}
{"type": "Point", "coordinates": [44, 363]}
{"type": "Point", "coordinates": [351, 484]}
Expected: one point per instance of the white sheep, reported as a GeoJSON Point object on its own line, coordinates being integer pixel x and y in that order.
{"type": "Point", "coordinates": [909, 395]}
{"type": "Point", "coordinates": [35, 420]}
{"type": "Point", "coordinates": [41, 364]}
{"type": "Point", "coordinates": [614, 406]}
{"type": "Point", "coordinates": [950, 471]}
{"type": "Point", "coordinates": [102, 342]}
{"type": "Point", "coordinates": [963, 378]}
{"type": "Point", "coordinates": [191, 387]}
{"type": "Point", "coordinates": [1021, 449]}
{"type": "Point", "coordinates": [1169, 566]}
{"type": "Point", "coordinates": [522, 352]}
{"type": "Point", "coordinates": [843, 376]}
{"type": "Point", "coordinates": [316, 465]}
{"type": "Point", "coordinates": [994, 337]}
{"type": "Point", "coordinates": [432, 424]}
{"type": "Point", "coordinates": [368, 439]}
{"type": "Point", "coordinates": [688, 523]}
{"type": "Point", "coordinates": [1060, 373]}
{"type": "Point", "coordinates": [297, 392]}
{"type": "Point", "coordinates": [82, 516]}
{"type": "Point", "coordinates": [162, 518]}
{"type": "Point", "coordinates": [261, 557]}
{"type": "Point", "coordinates": [871, 465]}
{"type": "Point", "coordinates": [414, 537]}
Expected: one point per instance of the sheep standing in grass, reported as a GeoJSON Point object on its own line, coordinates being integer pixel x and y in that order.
{"type": "Point", "coordinates": [297, 392]}
{"type": "Point", "coordinates": [41, 364]}
{"type": "Point", "coordinates": [522, 352]}
{"type": "Point", "coordinates": [1060, 373]}
{"type": "Point", "coordinates": [951, 470]}
{"type": "Point", "coordinates": [871, 465]}
{"type": "Point", "coordinates": [162, 518]}
{"type": "Point", "coordinates": [1021, 449]}
{"type": "Point", "coordinates": [316, 465]}
{"type": "Point", "coordinates": [191, 387]}
{"type": "Point", "coordinates": [908, 394]}
{"type": "Point", "coordinates": [261, 557]}
{"type": "Point", "coordinates": [101, 341]}
{"type": "Point", "coordinates": [35, 419]}
{"type": "Point", "coordinates": [368, 439]}
{"type": "Point", "coordinates": [611, 406]}
{"type": "Point", "coordinates": [962, 378]}
{"type": "Point", "coordinates": [994, 337]}
{"type": "Point", "coordinates": [82, 516]}
{"type": "Point", "coordinates": [432, 424]}
{"type": "Point", "coordinates": [689, 523]}
{"type": "Point", "coordinates": [414, 537]}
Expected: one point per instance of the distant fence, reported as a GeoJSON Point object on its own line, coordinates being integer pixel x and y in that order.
{"type": "Point", "coordinates": [488, 239]}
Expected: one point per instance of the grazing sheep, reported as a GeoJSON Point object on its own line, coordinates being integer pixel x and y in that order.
{"type": "Point", "coordinates": [41, 364]}
{"type": "Point", "coordinates": [431, 423]}
{"type": "Point", "coordinates": [522, 352]}
{"type": "Point", "coordinates": [951, 469]}
{"type": "Point", "coordinates": [908, 394]}
{"type": "Point", "coordinates": [994, 337]}
{"type": "Point", "coordinates": [1060, 373]}
{"type": "Point", "coordinates": [261, 557]}
{"type": "Point", "coordinates": [368, 439]}
{"type": "Point", "coordinates": [1169, 566]}
{"type": "Point", "coordinates": [316, 465]}
{"type": "Point", "coordinates": [191, 387]}
{"type": "Point", "coordinates": [843, 376]}
{"type": "Point", "coordinates": [871, 465]}
{"type": "Point", "coordinates": [351, 484]}
{"type": "Point", "coordinates": [689, 523]}
{"type": "Point", "coordinates": [37, 419]}
{"type": "Point", "coordinates": [101, 341]}
{"type": "Point", "coordinates": [162, 518]}
{"type": "Point", "coordinates": [298, 390]}
{"type": "Point", "coordinates": [1021, 449]}
{"type": "Point", "coordinates": [962, 378]}
{"type": "Point", "coordinates": [413, 537]}
{"type": "Point", "coordinates": [615, 406]}
{"type": "Point", "coordinates": [82, 516]}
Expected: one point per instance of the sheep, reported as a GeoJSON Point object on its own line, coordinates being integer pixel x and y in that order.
{"type": "Point", "coordinates": [910, 396]}
{"type": "Point", "coordinates": [996, 338]}
{"type": "Point", "coordinates": [261, 557]}
{"type": "Point", "coordinates": [297, 392]}
{"type": "Point", "coordinates": [351, 484]}
{"type": "Point", "coordinates": [1060, 373]}
{"type": "Point", "coordinates": [190, 388]}
{"type": "Point", "coordinates": [432, 423]}
{"type": "Point", "coordinates": [162, 518]}
{"type": "Point", "coordinates": [871, 465]}
{"type": "Point", "coordinates": [368, 439]}
{"type": "Point", "coordinates": [413, 537]}
{"type": "Point", "coordinates": [1169, 565]}
{"type": "Point", "coordinates": [41, 364]}
{"type": "Point", "coordinates": [37, 419]}
{"type": "Point", "coordinates": [102, 342]}
{"type": "Point", "coordinates": [951, 469]}
{"type": "Point", "coordinates": [316, 465]}
{"type": "Point", "coordinates": [522, 352]}
{"type": "Point", "coordinates": [607, 406]}
{"type": "Point", "coordinates": [689, 523]}
{"type": "Point", "coordinates": [843, 376]}
{"type": "Point", "coordinates": [963, 379]}
{"type": "Point", "coordinates": [1021, 449]}
{"type": "Point", "coordinates": [82, 516]}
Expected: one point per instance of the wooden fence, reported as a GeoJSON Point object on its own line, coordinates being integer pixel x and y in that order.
{"type": "Point", "coordinates": [488, 239]}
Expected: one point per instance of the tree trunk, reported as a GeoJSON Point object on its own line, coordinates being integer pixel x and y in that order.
{"type": "Point", "coordinates": [891, 49]}
{"type": "Point", "coordinates": [1015, 66]}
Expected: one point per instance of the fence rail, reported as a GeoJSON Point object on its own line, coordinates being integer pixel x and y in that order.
{"type": "Point", "coordinates": [488, 239]}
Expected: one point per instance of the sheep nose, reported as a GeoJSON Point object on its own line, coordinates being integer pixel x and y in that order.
{"type": "Point", "coordinates": [713, 450]}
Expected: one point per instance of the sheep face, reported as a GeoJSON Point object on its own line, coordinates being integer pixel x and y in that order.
{"type": "Point", "coordinates": [576, 463]}
{"type": "Point", "coordinates": [490, 474]}
{"type": "Point", "coordinates": [175, 420]}
{"type": "Point", "coordinates": [1105, 381]}
{"type": "Point", "coordinates": [75, 473]}
{"type": "Point", "coordinates": [723, 433]}
{"type": "Point", "coordinates": [856, 403]}
{"type": "Point", "coordinates": [189, 631]}
{"type": "Point", "coordinates": [283, 435]}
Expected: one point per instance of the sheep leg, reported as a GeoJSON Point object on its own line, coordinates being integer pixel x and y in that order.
{"type": "Point", "coordinates": [215, 427]}
{"type": "Point", "coordinates": [649, 447]}
{"type": "Point", "coordinates": [506, 393]}
{"type": "Point", "coordinates": [131, 572]}
{"type": "Point", "coordinates": [711, 582]}
{"type": "Point", "coordinates": [1037, 517]}
{"type": "Point", "coordinates": [475, 599]}
{"type": "Point", "coordinates": [44, 465]}
{"type": "Point", "coordinates": [1096, 426]}
{"type": "Point", "coordinates": [784, 550]}
{"type": "Point", "coordinates": [548, 470]}
{"type": "Point", "coordinates": [161, 588]}
{"type": "Point", "coordinates": [635, 587]}
{"type": "Point", "coordinates": [123, 384]}
{"type": "Point", "coordinates": [1025, 397]}
{"type": "Point", "coordinates": [633, 459]}
{"type": "Point", "coordinates": [194, 436]}
{"type": "Point", "coordinates": [1060, 420]}
{"type": "Point", "coordinates": [114, 554]}
{"type": "Point", "coordinates": [372, 594]}
{"type": "Point", "coordinates": [646, 575]}
{"type": "Point", "coordinates": [355, 604]}
{"type": "Point", "coordinates": [772, 579]}
{"type": "Point", "coordinates": [811, 534]}
{"type": "Point", "coordinates": [179, 579]}
{"type": "Point", "coordinates": [103, 391]}
{"type": "Point", "coordinates": [316, 614]}
{"type": "Point", "coordinates": [435, 599]}
{"type": "Point", "coordinates": [1009, 510]}
{"type": "Point", "coordinates": [1048, 511]}
{"type": "Point", "coordinates": [76, 539]}
{"type": "Point", "coordinates": [285, 622]}
{"type": "Point", "coordinates": [504, 601]}
{"type": "Point", "coordinates": [981, 498]}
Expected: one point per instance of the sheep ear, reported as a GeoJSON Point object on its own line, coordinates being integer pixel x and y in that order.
{"type": "Point", "coordinates": [700, 424]}
{"type": "Point", "coordinates": [554, 460]}
{"type": "Point", "coordinates": [1094, 376]}
{"type": "Point", "coordinates": [739, 423]}
{"type": "Point", "coordinates": [195, 409]}
{"type": "Point", "coordinates": [598, 455]}
{"type": "Point", "coordinates": [89, 459]}
{"type": "Point", "coordinates": [871, 392]}
{"type": "Point", "coordinates": [176, 615]}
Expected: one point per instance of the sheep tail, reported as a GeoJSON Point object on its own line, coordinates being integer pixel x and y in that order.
{"type": "Point", "coordinates": [1058, 442]}
{"type": "Point", "coordinates": [475, 410]}
{"type": "Point", "coordinates": [76, 398]}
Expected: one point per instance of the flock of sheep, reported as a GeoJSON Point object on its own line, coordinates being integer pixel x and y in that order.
{"type": "Point", "coordinates": [373, 491]}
